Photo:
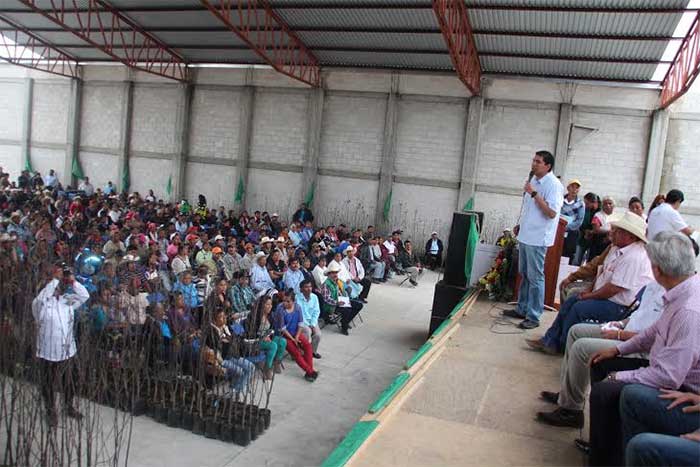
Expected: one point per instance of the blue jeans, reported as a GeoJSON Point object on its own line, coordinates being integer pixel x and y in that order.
{"type": "Point", "coordinates": [574, 311]}
{"type": "Point", "coordinates": [239, 371]}
{"type": "Point", "coordinates": [650, 449]}
{"type": "Point", "coordinates": [641, 411]}
{"type": "Point", "coordinates": [531, 292]}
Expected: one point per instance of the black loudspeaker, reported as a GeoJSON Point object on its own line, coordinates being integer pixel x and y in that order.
{"type": "Point", "coordinates": [445, 299]}
{"type": "Point", "coordinates": [457, 246]}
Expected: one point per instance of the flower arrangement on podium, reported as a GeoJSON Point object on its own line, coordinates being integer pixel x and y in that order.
{"type": "Point", "coordinates": [498, 281]}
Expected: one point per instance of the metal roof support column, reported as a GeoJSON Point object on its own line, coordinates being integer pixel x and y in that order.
{"type": "Point", "coordinates": [124, 181]}
{"type": "Point", "coordinates": [655, 156]}
{"type": "Point", "coordinates": [72, 170]}
{"type": "Point", "coordinates": [313, 145]}
{"type": "Point", "coordinates": [179, 188]}
{"type": "Point", "coordinates": [472, 151]}
{"type": "Point", "coordinates": [386, 174]}
{"type": "Point", "coordinates": [27, 124]}
{"type": "Point", "coordinates": [245, 133]}
{"type": "Point", "coordinates": [561, 152]}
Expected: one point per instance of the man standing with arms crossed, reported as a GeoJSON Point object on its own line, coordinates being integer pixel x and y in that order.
{"type": "Point", "coordinates": [543, 198]}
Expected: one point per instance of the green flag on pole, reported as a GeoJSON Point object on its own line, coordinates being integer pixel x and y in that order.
{"type": "Point", "coordinates": [240, 190]}
{"type": "Point", "coordinates": [387, 206]}
{"type": "Point", "coordinates": [472, 241]}
{"type": "Point", "coordinates": [169, 186]}
{"type": "Point", "coordinates": [76, 170]}
{"type": "Point", "coordinates": [28, 164]}
{"type": "Point", "coordinates": [310, 195]}
{"type": "Point", "coordinates": [126, 183]}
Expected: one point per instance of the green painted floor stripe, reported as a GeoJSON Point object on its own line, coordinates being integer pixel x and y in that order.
{"type": "Point", "coordinates": [350, 444]}
{"type": "Point", "coordinates": [419, 353]}
{"type": "Point", "coordinates": [440, 328]}
{"type": "Point", "coordinates": [389, 393]}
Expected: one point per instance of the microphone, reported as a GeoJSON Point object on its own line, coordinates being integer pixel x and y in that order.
{"type": "Point", "coordinates": [529, 177]}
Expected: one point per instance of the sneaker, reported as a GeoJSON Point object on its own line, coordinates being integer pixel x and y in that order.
{"type": "Point", "coordinates": [562, 417]}
{"type": "Point", "coordinates": [583, 445]}
{"type": "Point", "coordinates": [309, 377]}
{"type": "Point", "coordinates": [529, 324]}
{"type": "Point", "coordinates": [551, 397]}
{"type": "Point", "coordinates": [317, 355]}
{"type": "Point", "coordinates": [512, 313]}
{"type": "Point", "coordinates": [277, 367]}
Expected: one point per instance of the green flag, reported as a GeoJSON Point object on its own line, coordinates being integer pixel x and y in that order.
{"type": "Point", "coordinates": [76, 170]}
{"type": "Point", "coordinates": [240, 190]}
{"type": "Point", "coordinates": [310, 195]}
{"type": "Point", "coordinates": [126, 183]}
{"type": "Point", "coordinates": [28, 164]}
{"type": "Point", "coordinates": [169, 186]}
{"type": "Point", "coordinates": [387, 206]}
{"type": "Point", "coordinates": [472, 240]}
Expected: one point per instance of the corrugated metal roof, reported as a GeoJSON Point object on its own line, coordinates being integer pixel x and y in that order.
{"type": "Point", "coordinates": [405, 34]}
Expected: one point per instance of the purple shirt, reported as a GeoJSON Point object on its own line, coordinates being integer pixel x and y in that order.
{"type": "Point", "coordinates": [673, 342]}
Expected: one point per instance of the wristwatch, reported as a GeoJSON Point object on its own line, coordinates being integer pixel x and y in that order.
{"type": "Point", "coordinates": [611, 376]}
{"type": "Point", "coordinates": [533, 193]}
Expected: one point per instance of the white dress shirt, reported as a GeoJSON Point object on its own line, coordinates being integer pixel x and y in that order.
{"type": "Point", "coordinates": [536, 228]}
{"type": "Point", "coordinates": [54, 317]}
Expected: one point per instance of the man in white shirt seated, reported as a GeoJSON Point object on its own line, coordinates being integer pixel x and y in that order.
{"type": "Point", "coordinates": [583, 341]}
{"type": "Point", "coordinates": [87, 187]}
{"type": "Point", "coordinates": [51, 180]}
{"type": "Point", "coordinates": [53, 310]}
{"type": "Point", "coordinates": [260, 280]}
{"type": "Point", "coordinates": [666, 216]}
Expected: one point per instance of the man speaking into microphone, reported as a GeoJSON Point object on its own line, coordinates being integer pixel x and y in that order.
{"type": "Point", "coordinates": [543, 197]}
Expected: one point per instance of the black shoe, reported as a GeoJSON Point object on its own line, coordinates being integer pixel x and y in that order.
{"type": "Point", "coordinates": [529, 324]}
{"type": "Point", "coordinates": [549, 396]}
{"type": "Point", "coordinates": [344, 332]}
{"type": "Point", "coordinates": [583, 446]}
{"type": "Point", "coordinates": [562, 417]}
{"type": "Point", "coordinates": [512, 313]}
{"type": "Point", "coordinates": [315, 374]}
{"type": "Point", "coordinates": [309, 377]}
{"type": "Point", "coordinates": [413, 282]}
{"type": "Point", "coordinates": [363, 300]}
{"type": "Point", "coordinates": [317, 355]}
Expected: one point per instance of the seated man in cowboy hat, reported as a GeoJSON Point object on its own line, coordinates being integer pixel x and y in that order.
{"type": "Point", "coordinates": [336, 300]}
{"type": "Point", "coordinates": [625, 270]}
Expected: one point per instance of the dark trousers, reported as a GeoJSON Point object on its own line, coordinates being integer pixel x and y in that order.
{"type": "Point", "coordinates": [57, 376]}
{"type": "Point", "coordinates": [366, 284]}
{"type": "Point", "coordinates": [601, 370]}
{"type": "Point", "coordinates": [606, 424]}
{"type": "Point", "coordinates": [570, 243]}
{"type": "Point", "coordinates": [348, 313]}
{"type": "Point", "coordinates": [432, 261]}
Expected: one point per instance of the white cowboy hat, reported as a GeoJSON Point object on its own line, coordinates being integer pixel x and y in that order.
{"type": "Point", "coordinates": [260, 254]}
{"type": "Point", "coordinates": [632, 223]}
{"type": "Point", "coordinates": [265, 240]}
{"type": "Point", "coordinates": [348, 248]}
{"type": "Point", "coordinates": [280, 239]}
{"type": "Point", "coordinates": [334, 267]}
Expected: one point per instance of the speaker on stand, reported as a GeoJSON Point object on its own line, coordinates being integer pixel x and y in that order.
{"type": "Point", "coordinates": [450, 290]}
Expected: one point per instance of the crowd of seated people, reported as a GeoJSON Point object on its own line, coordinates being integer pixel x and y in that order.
{"type": "Point", "coordinates": [205, 280]}
{"type": "Point", "coordinates": [631, 342]}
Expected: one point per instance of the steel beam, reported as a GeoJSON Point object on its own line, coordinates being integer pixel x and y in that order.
{"type": "Point", "coordinates": [23, 48]}
{"type": "Point", "coordinates": [110, 31]}
{"type": "Point", "coordinates": [269, 37]}
{"type": "Point", "coordinates": [457, 32]}
{"type": "Point", "coordinates": [685, 67]}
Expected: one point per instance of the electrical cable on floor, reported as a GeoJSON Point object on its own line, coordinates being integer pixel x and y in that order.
{"type": "Point", "coordinates": [500, 320]}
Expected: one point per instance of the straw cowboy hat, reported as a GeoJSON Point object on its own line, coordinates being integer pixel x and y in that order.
{"type": "Point", "coordinates": [266, 240]}
{"type": "Point", "coordinates": [260, 254]}
{"type": "Point", "coordinates": [334, 267]}
{"type": "Point", "coordinates": [632, 223]}
{"type": "Point", "coordinates": [348, 249]}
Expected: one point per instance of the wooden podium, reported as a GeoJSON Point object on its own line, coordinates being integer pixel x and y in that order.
{"type": "Point", "coordinates": [551, 267]}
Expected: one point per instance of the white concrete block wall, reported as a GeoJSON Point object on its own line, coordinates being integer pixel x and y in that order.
{"type": "Point", "coordinates": [216, 182]}
{"type": "Point", "coordinates": [50, 112]}
{"type": "Point", "coordinates": [611, 160]}
{"type": "Point", "coordinates": [279, 127]}
{"type": "Point", "coordinates": [11, 109]}
{"type": "Point", "coordinates": [352, 132]}
{"type": "Point", "coordinates": [101, 168]}
{"type": "Point", "coordinates": [430, 139]}
{"type": "Point", "coordinates": [215, 123]}
{"type": "Point", "coordinates": [11, 160]}
{"type": "Point", "coordinates": [44, 159]}
{"type": "Point", "coordinates": [274, 191]}
{"type": "Point", "coordinates": [418, 210]}
{"type": "Point", "coordinates": [682, 162]}
{"type": "Point", "coordinates": [500, 212]}
{"type": "Point", "coordinates": [101, 119]}
{"type": "Point", "coordinates": [350, 201]}
{"type": "Point", "coordinates": [154, 118]}
{"type": "Point", "coordinates": [511, 134]}
{"type": "Point", "coordinates": [150, 174]}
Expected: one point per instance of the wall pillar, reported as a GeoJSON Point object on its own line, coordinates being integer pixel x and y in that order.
{"type": "Point", "coordinates": [73, 171]}
{"type": "Point", "coordinates": [386, 174]}
{"type": "Point", "coordinates": [472, 151]}
{"type": "Point", "coordinates": [313, 145]}
{"type": "Point", "coordinates": [27, 124]}
{"type": "Point", "coordinates": [561, 152]}
{"type": "Point", "coordinates": [655, 156]}
{"type": "Point", "coordinates": [124, 181]}
{"type": "Point", "coordinates": [245, 133]}
{"type": "Point", "coordinates": [178, 188]}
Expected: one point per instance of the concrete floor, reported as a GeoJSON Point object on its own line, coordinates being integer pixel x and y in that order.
{"type": "Point", "coordinates": [476, 404]}
{"type": "Point", "coordinates": [310, 419]}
